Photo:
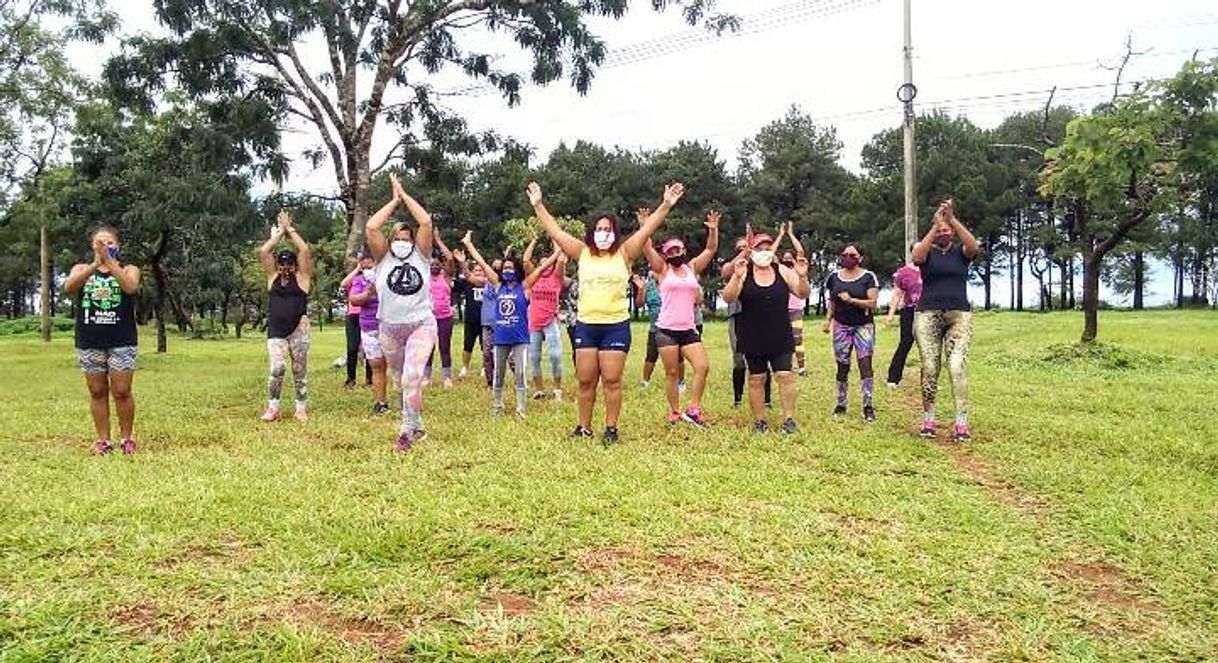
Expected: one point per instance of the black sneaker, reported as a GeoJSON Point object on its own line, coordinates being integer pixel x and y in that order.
{"type": "Point", "coordinates": [349, 384]}
{"type": "Point", "coordinates": [736, 404]}
{"type": "Point", "coordinates": [868, 413]}
{"type": "Point", "coordinates": [760, 427]}
{"type": "Point", "coordinates": [610, 436]}
{"type": "Point", "coordinates": [582, 432]}
{"type": "Point", "coordinates": [379, 409]}
{"type": "Point", "coordinates": [789, 427]}
{"type": "Point", "coordinates": [839, 410]}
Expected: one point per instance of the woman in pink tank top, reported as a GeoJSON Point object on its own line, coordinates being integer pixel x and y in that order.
{"type": "Point", "coordinates": [442, 309]}
{"type": "Point", "coordinates": [677, 337]}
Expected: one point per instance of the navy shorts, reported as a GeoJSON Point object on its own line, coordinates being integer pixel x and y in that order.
{"type": "Point", "coordinates": [613, 337]}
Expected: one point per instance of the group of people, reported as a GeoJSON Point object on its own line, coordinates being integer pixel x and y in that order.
{"type": "Point", "coordinates": [400, 312]}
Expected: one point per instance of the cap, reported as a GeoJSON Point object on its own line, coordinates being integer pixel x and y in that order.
{"type": "Point", "coordinates": [672, 246]}
{"type": "Point", "coordinates": [759, 239]}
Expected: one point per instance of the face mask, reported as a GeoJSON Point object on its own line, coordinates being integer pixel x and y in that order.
{"type": "Point", "coordinates": [435, 270]}
{"type": "Point", "coordinates": [401, 248]}
{"type": "Point", "coordinates": [789, 263]}
{"type": "Point", "coordinates": [112, 250]}
{"type": "Point", "coordinates": [676, 261]}
{"type": "Point", "coordinates": [368, 274]}
{"type": "Point", "coordinates": [943, 242]}
{"type": "Point", "coordinates": [509, 275]}
{"type": "Point", "coordinates": [603, 239]}
{"type": "Point", "coordinates": [763, 258]}
{"type": "Point", "coordinates": [849, 262]}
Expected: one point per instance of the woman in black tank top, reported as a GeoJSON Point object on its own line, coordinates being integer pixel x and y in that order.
{"type": "Point", "coordinates": [106, 335]}
{"type": "Point", "coordinates": [762, 286]}
{"type": "Point", "coordinates": [289, 277]}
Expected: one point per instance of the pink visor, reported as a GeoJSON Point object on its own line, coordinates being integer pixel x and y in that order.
{"type": "Point", "coordinates": [761, 238]}
{"type": "Point", "coordinates": [672, 246]}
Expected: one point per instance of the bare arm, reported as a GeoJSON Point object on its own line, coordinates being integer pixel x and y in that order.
{"type": "Point", "coordinates": [377, 243]}
{"type": "Point", "coordinates": [448, 255]}
{"type": "Point", "coordinates": [304, 254]}
{"type": "Point", "coordinates": [571, 246]}
{"type": "Point", "coordinates": [731, 291]}
{"type": "Point", "coordinates": [894, 304]}
{"type": "Point", "coordinates": [361, 298]}
{"type": "Point", "coordinates": [799, 247]}
{"type": "Point", "coordinates": [797, 279]}
{"type": "Point", "coordinates": [921, 249]}
{"type": "Point", "coordinates": [491, 276]}
{"type": "Point", "coordinates": [346, 282]}
{"type": "Point", "coordinates": [655, 261]}
{"type": "Point", "coordinates": [967, 240]}
{"type": "Point", "coordinates": [528, 256]}
{"type": "Point", "coordinates": [535, 275]}
{"type": "Point", "coordinates": [264, 251]}
{"type": "Point", "coordinates": [423, 237]}
{"type": "Point", "coordinates": [703, 260]}
{"type": "Point", "coordinates": [632, 248]}
{"type": "Point", "coordinates": [77, 277]}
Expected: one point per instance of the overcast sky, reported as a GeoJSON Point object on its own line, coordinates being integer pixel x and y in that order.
{"type": "Point", "coordinates": [839, 60]}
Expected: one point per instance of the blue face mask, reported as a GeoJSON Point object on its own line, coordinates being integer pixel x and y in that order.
{"type": "Point", "coordinates": [509, 275]}
{"type": "Point", "coordinates": [112, 250]}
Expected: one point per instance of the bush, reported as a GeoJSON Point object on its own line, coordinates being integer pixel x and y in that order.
{"type": "Point", "coordinates": [32, 324]}
{"type": "Point", "coordinates": [1102, 355]}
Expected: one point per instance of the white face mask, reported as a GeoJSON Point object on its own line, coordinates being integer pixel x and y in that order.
{"type": "Point", "coordinates": [763, 258]}
{"type": "Point", "coordinates": [603, 239]}
{"type": "Point", "coordinates": [369, 273]}
{"type": "Point", "coordinates": [401, 248]}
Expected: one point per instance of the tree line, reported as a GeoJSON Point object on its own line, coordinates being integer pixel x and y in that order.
{"type": "Point", "coordinates": [170, 143]}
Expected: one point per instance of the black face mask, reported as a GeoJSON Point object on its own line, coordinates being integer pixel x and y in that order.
{"type": "Point", "coordinates": [676, 261]}
{"type": "Point", "coordinates": [789, 263]}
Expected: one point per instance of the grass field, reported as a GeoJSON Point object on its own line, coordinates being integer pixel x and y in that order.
{"type": "Point", "coordinates": [1080, 524]}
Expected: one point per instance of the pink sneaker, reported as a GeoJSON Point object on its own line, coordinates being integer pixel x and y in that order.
{"type": "Point", "coordinates": [270, 414]}
{"type": "Point", "coordinates": [301, 414]}
{"type": "Point", "coordinates": [102, 447]}
{"type": "Point", "coordinates": [674, 418]}
{"type": "Point", "coordinates": [128, 446]}
{"type": "Point", "coordinates": [960, 433]}
{"type": "Point", "coordinates": [694, 416]}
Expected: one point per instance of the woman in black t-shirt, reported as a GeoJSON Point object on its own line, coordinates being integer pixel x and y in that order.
{"type": "Point", "coordinates": [106, 336]}
{"type": "Point", "coordinates": [943, 323]}
{"type": "Point", "coordinates": [851, 302]}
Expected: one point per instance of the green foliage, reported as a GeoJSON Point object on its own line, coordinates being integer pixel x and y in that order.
{"type": "Point", "coordinates": [517, 233]}
{"type": "Point", "coordinates": [32, 324]}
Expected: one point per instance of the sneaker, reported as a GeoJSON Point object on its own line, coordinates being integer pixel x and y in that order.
{"type": "Point", "coordinates": [960, 433]}
{"type": "Point", "coordinates": [868, 413]}
{"type": "Point", "coordinates": [610, 436]}
{"type": "Point", "coordinates": [349, 384]}
{"type": "Point", "coordinates": [270, 414]}
{"type": "Point", "coordinates": [405, 440]}
{"type": "Point", "coordinates": [497, 410]}
{"type": "Point", "coordinates": [769, 405]}
{"type": "Point", "coordinates": [102, 447]}
{"type": "Point", "coordinates": [464, 372]}
{"type": "Point", "coordinates": [803, 372]}
{"type": "Point", "coordinates": [520, 415]}
{"type": "Point", "coordinates": [643, 384]}
{"type": "Point", "coordinates": [418, 436]}
{"type": "Point", "coordinates": [379, 409]}
{"type": "Point", "coordinates": [694, 416]}
{"type": "Point", "coordinates": [558, 395]}
{"type": "Point", "coordinates": [789, 427]}
{"type": "Point", "coordinates": [539, 395]}
{"type": "Point", "coordinates": [760, 426]}
{"type": "Point", "coordinates": [128, 446]}
{"type": "Point", "coordinates": [928, 429]}
{"type": "Point", "coordinates": [582, 432]}
{"type": "Point", "coordinates": [736, 404]}
{"type": "Point", "coordinates": [839, 410]}
{"type": "Point", "coordinates": [892, 386]}
{"type": "Point", "coordinates": [674, 418]}
{"type": "Point", "coordinates": [448, 383]}
{"type": "Point", "coordinates": [301, 414]}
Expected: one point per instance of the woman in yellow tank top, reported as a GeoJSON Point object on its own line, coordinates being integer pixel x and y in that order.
{"type": "Point", "coordinates": [602, 327]}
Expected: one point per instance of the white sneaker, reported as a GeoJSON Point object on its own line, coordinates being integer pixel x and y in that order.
{"type": "Point", "coordinates": [892, 386]}
{"type": "Point", "coordinates": [643, 384]}
{"type": "Point", "coordinates": [464, 372]}
{"type": "Point", "coordinates": [558, 395]}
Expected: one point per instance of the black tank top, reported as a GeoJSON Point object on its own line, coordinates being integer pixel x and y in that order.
{"type": "Point", "coordinates": [105, 315]}
{"type": "Point", "coordinates": [288, 304]}
{"type": "Point", "coordinates": [762, 327]}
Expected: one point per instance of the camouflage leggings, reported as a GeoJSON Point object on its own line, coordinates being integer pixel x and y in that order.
{"type": "Point", "coordinates": [296, 347]}
{"type": "Point", "coordinates": [944, 333]}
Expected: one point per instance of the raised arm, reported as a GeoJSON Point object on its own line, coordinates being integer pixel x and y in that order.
{"type": "Point", "coordinates": [799, 247]}
{"type": "Point", "coordinates": [703, 260]}
{"type": "Point", "coordinates": [378, 245]}
{"type": "Point", "coordinates": [535, 275]}
{"type": "Point", "coordinates": [967, 240]}
{"type": "Point", "coordinates": [797, 279]}
{"type": "Point", "coordinates": [448, 255]}
{"type": "Point", "coordinates": [921, 249]}
{"type": "Point", "coordinates": [346, 282]}
{"type": "Point", "coordinates": [655, 261]}
{"type": "Point", "coordinates": [739, 269]}
{"type": "Point", "coordinates": [571, 246]}
{"type": "Point", "coordinates": [304, 254]}
{"type": "Point", "coordinates": [632, 248]}
{"type": "Point", "coordinates": [468, 242]}
{"type": "Point", "coordinates": [528, 256]}
{"type": "Point", "coordinates": [423, 237]}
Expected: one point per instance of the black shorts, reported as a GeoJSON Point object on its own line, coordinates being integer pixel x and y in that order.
{"type": "Point", "coordinates": [776, 363]}
{"type": "Point", "coordinates": [678, 337]}
{"type": "Point", "coordinates": [653, 350]}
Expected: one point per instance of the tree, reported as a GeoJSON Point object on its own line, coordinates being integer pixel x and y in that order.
{"type": "Point", "coordinates": [381, 58]}
{"type": "Point", "coordinates": [1130, 160]}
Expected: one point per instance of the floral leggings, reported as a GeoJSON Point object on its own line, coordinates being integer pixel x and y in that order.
{"type": "Point", "coordinates": [939, 333]}
{"type": "Point", "coordinates": [407, 348]}
{"type": "Point", "coordinates": [296, 348]}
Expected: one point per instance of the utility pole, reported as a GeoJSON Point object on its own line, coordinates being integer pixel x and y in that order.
{"type": "Point", "coordinates": [906, 94]}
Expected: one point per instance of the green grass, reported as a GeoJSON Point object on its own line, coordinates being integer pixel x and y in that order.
{"type": "Point", "coordinates": [1080, 525]}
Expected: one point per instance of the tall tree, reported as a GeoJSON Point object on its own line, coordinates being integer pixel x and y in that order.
{"type": "Point", "coordinates": [1130, 160]}
{"type": "Point", "coordinates": [381, 57]}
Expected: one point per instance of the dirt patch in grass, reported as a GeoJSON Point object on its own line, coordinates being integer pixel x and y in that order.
{"type": "Point", "coordinates": [1107, 585]}
{"type": "Point", "coordinates": [227, 547]}
{"type": "Point", "coordinates": [510, 603]}
{"type": "Point", "coordinates": [1002, 491]}
{"type": "Point", "coordinates": [353, 630]}
{"type": "Point", "coordinates": [146, 620]}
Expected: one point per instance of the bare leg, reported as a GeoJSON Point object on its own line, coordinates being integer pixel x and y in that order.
{"type": "Point", "coordinates": [786, 392]}
{"type": "Point", "coordinates": [671, 356]}
{"type": "Point", "coordinates": [612, 364]}
{"type": "Point", "coordinates": [124, 402]}
{"type": "Point", "coordinates": [696, 354]}
{"type": "Point", "coordinates": [587, 373]}
{"type": "Point", "coordinates": [99, 403]}
{"type": "Point", "coordinates": [757, 396]}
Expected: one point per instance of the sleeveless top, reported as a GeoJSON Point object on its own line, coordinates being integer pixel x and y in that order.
{"type": "Point", "coordinates": [763, 328]}
{"type": "Point", "coordinates": [403, 286]}
{"type": "Point", "coordinates": [441, 297]}
{"type": "Point", "coordinates": [679, 296]}
{"type": "Point", "coordinates": [287, 305]}
{"type": "Point", "coordinates": [105, 315]}
{"type": "Point", "coordinates": [511, 315]}
{"type": "Point", "coordinates": [603, 282]}
{"type": "Point", "coordinates": [543, 300]}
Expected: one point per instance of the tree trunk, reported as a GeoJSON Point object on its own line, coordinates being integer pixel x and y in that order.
{"type": "Point", "coordinates": [44, 257]}
{"type": "Point", "coordinates": [987, 276]}
{"type": "Point", "coordinates": [1091, 296]}
{"type": "Point", "coordinates": [1178, 266]}
{"type": "Point", "coordinates": [1069, 275]}
{"type": "Point", "coordinates": [1139, 280]}
{"type": "Point", "coordinates": [357, 203]}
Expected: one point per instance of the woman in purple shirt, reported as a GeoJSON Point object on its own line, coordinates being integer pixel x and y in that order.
{"type": "Point", "coordinates": [363, 294]}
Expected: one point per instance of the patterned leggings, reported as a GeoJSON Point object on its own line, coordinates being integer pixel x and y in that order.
{"type": "Point", "coordinates": [859, 340]}
{"type": "Point", "coordinates": [407, 348]}
{"type": "Point", "coordinates": [939, 333]}
{"type": "Point", "coordinates": [295, 347]}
